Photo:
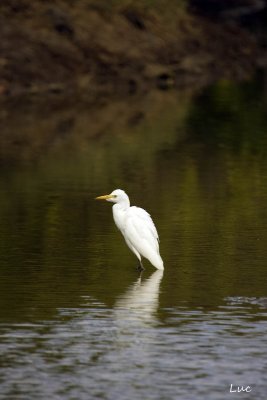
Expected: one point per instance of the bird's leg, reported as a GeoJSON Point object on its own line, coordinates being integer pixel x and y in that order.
{"type": "Point", "coordinates": [140, 266]}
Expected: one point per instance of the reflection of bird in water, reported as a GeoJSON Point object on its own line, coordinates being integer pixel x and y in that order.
{"type": "Point", "coordinates": [132, 337]}
{"type": "Point", "coordinates": [138, 306]}
{"type": "Point", "coordinates": [137, 228]}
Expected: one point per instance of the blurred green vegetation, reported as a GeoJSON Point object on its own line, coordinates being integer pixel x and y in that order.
{"type": "Point", "coordinates": [241, 110]}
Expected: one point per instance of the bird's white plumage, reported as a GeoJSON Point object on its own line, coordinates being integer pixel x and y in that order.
{"type": "Point", "coordinates": [137, 227]}
{"type": "Point", "coordinates": [141, 230]}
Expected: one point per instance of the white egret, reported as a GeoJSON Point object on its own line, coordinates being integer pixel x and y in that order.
{"type": "Point", "coordinates": [137, 228]}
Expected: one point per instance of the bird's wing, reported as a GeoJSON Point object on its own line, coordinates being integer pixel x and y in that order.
{"type": "Point", "coordinates": [140, 229]}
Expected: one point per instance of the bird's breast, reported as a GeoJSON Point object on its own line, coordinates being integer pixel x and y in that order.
{"type": "Point", "coordinates": [119, 217]}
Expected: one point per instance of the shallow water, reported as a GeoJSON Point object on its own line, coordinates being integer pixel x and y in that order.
{"type": "Point", "coordinates": [77, 320]}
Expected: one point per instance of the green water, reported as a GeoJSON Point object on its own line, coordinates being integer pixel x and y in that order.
{"type": "Point", "coordinates": [77, 320]}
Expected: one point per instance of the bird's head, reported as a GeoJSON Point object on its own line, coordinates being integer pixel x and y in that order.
{"type": "Point", "coordinates": [117, 196]}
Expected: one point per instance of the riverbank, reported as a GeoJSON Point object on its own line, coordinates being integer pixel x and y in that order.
{"type": "Point", "coordinates": [92, 49]}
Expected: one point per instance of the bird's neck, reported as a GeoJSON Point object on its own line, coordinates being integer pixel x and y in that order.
{"type": "Point", "coordinates": [123, 205]}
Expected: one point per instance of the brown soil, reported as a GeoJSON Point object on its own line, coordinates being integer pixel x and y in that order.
{"type": "Point", "coordinates": [63, 47]}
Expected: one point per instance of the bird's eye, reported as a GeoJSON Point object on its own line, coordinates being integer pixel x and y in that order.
{"type": "Point", "coordinates": [114, 195]}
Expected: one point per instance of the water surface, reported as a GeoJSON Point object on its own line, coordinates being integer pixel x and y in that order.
{"type": "Point", "coordinates": [77, 320]}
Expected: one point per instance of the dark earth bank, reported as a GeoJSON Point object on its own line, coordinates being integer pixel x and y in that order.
{"type": "Point", "coordinates": [99, 47]}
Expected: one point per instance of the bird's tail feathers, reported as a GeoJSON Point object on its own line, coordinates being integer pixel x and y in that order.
{"type": "Point", "coordinates": [157, 261]}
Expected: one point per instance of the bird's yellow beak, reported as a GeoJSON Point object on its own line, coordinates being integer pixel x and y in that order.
{"type": "Point", "coordinates": [105, 197]}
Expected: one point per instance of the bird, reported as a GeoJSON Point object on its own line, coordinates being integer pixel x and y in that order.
{"type": "Point", "coordinates": [137, 227]}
